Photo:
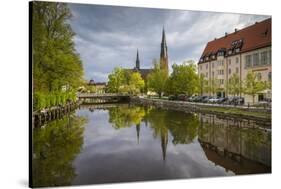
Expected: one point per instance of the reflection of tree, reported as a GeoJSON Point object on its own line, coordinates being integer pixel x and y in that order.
{"type": "Point", "coordinates": [157, 119]}
{"type": "Point", "coordinates": [183, 127]}
{"type": "Point", "coordinates": [125, 116]}
{"type": "Point", "coordinates": [54, 148]}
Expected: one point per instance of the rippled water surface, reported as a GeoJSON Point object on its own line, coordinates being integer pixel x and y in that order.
{"type": "Point", "coordinates": [120, 143]}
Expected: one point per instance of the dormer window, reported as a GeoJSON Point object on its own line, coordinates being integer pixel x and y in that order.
{"type": "Point", "coordinates": [207, 58]}
{"type": "Point", "coordinates": [230, 52]}
{"type": "Point", "coordinates": [213, 56]}
{"type": "Point", "coordinates": [237, 50]}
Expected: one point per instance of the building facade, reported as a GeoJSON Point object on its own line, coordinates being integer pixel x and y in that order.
{"type": "Point", "coordinates": [244, 50]}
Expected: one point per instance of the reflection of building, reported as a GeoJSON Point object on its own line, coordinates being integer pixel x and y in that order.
{"type": "Point", "coordinates": [138, 132]}
{"type": "Point", "coordinates": [230, 139]}
{"type": "Point", "coordinates": [248, 49]}
{"type": "Point", "coordinates": [232, 162]}
{"type": "Point", "coordinates": [164, 143]}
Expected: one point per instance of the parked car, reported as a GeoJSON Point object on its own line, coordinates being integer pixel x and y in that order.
{"type": "Point", "coordinates": [221, 100]}
{"type": "Point", "coordinates": [192, 98]}
{"type": "Point", "coordinates": [205, 99]}
{"type": "Point", "coordinates": [172, 97]}
{"type": "Point", "coordinates": [182, 97]}
{"type": "Point", "coordinates": [214, 100]}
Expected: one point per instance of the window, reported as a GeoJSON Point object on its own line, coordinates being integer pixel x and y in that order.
{"type": "Point", "coordinates": [206, 66]}
{"type": "Point", "coordinates": [248, 61]}
{"type": "Point", "coordinates": [264, 58]}
{"type": "Point", "coordinates": [213, 65]}
{"type": "Point", "coordinates": [259, 76]}
{"type": "Point", "coordinates": [237, 60]}
{"type": "Point", "coordinates": [269, 76]}
{"type": "Point", "coordinates": [237, 70]}
{"type": "Point", "coordinates": [229, 62]}
{"type": "Point", "coordinates": [237, 50]}
{"type": "Point", "coordinates": [221, 81]}
{"type": "Point", "coordinates": [229, 71]}
{"type": "Point", "coordinates": [206, 74]}
{"type": "Point", "coordinates": [256, 60]}
{"type": "Point", "coordinates": [229, 52]}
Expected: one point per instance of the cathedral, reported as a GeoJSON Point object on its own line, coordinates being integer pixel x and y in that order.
{"type": "Point", "coordinates": [163, 59]}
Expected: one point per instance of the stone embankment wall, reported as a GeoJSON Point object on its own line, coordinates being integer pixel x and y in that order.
{"type": "Point", "coordinates": [44, 116]}
{"type": "Point", "coordinates": [203, 108]}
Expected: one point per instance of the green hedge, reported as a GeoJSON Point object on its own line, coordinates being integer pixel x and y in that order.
{"type": "Point", "coordinates": [47, 100]}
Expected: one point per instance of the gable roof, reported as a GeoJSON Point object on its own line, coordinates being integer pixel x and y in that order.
{"type": "Point", "coordinates": [253, 37]}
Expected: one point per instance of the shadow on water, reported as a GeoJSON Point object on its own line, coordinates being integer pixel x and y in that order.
{"type": "Point", "coordinates": [124, 142]}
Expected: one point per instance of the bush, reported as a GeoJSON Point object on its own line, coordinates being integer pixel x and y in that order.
{"type": "Point", "coordinates": [42, 100]}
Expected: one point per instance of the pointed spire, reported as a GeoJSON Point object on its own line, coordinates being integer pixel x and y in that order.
{"type": "Point", "coordinates": [138, 60]}
{"type": "Point", "coordinates": [163, 36]}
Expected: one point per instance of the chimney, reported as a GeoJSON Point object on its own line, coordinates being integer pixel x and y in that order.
{"type": "Point", "coordinates": [215, 38]}
{"type": "Point", "coordinates": [235, 30]}
{"type": "Point", "coordinates": [225, 34]}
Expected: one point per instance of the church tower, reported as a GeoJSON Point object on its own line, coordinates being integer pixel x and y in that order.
{"type": "Point", "coordinates": [164, 53]}
{"type": "Point", "coordinates": [138, 61]}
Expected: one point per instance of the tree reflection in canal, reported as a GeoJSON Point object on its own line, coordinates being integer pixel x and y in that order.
{"type": "Point", "coordinates": [170, 144]}
{"type": "Point", "coordinates": [54, 148]}
{"type": "Point", "coordinates": [226, 139]}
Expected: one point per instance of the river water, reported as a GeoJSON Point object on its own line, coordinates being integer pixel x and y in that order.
{"type": "Point", "coordinates": [123, 143]}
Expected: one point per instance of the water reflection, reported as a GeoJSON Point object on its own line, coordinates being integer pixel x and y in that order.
{"type": "Point", "coordinates": [54, 148]}
{"type": "Point", "coordinates": [230, 140]}
{"type": "Point", "coordinates": [229, 144]}
{"type": "Point", "coordinates": [122, 143]}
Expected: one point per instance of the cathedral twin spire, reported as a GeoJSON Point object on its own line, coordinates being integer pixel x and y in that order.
{"type": "Point", "coordinates": [163, 54]}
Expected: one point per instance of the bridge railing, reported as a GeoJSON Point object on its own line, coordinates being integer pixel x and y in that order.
{"type": "Point", "coordinates": [81, 95]}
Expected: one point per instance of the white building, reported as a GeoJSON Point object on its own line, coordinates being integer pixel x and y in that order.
{"type": "Point", "coordinates": [238, 52]}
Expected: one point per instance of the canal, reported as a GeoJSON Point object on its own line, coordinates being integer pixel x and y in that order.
{"type": "Point", "coordinates": [125, 142]}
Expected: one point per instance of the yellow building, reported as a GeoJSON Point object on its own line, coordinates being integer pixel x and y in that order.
{"type": "Point", "coordinates": [248, 49]}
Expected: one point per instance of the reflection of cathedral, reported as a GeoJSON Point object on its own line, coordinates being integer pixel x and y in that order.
{"type": "Point", "coordinates": [164, 143]}
{"type": "Point", "coordinates": [163, 59]}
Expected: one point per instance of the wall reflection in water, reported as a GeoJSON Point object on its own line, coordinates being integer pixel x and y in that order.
{"type": "Point", "coordinates": [235, 145]}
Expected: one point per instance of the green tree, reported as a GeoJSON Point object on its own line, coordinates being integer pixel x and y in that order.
{"type": "Point", "coordinates": [184, 79]}
{"type": "Point", "coordinates": [125, 81]}
{"type": "Point", "coordinates": [233, 85]}
{"type": "Point", "coordinates": [252, 86]}
{"type": "Point", "coordinates": [55, 61]}
{"type": "Point", "coordinates": [214, 86]}
{"type": "Point", "coordinates": [136, 83]}
{"type": "Point", "coordinates": [116, 79]}
{"type": "Point", "coordinates": [156, 80]}
{"type": "Point", "coordinates": [203, 86]}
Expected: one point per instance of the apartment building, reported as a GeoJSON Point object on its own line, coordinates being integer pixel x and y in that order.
{"type": "Point", "coordinates": [244, 50]}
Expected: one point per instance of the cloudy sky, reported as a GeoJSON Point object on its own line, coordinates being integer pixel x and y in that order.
{"type": "Point", "coordinates": [109, 36]}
